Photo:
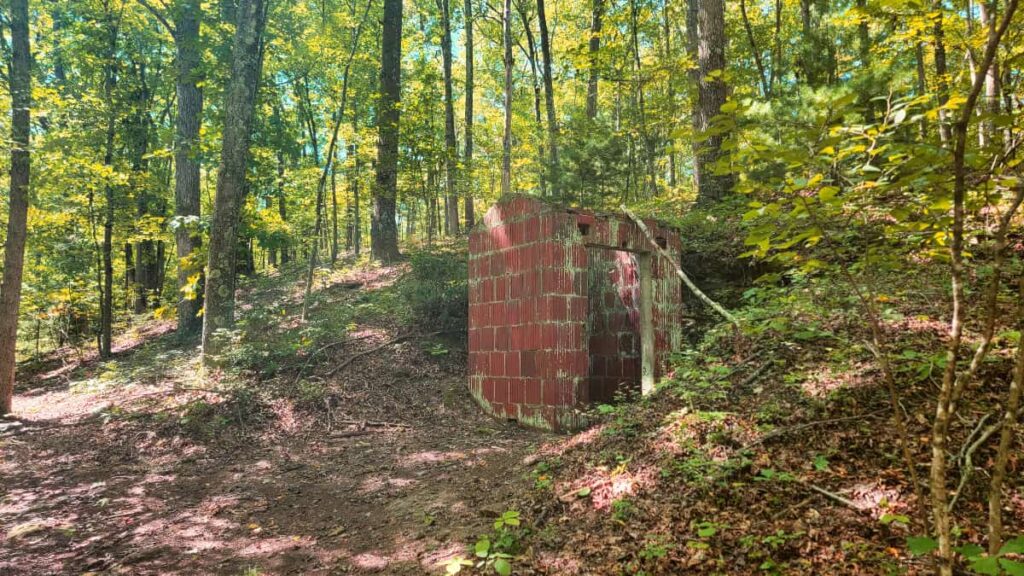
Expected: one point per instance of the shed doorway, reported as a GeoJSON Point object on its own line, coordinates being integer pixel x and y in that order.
{"type": "Point", "coordinates": [619, 327]}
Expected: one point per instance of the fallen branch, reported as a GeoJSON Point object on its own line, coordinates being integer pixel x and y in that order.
{"type": "Point", "coordinates": [679, 269]}
{"type": "Point", "coordinates": [396, 340]}
{"type": "Point", "coordinates": [836, 497]}
{"type": "Point", "coordinates": [371, 424]}
{"type": "Point", "coordinates": [967, 454]}
{"type": "Point", "coordinates": [798, 427]}
{"type": "Point", "coordinates": [322, 349]}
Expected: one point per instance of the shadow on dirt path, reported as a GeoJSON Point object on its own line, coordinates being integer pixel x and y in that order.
{"type": "Point", "coordinates": [101, 474]}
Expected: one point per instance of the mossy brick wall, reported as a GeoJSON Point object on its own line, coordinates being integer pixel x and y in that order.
{"type": "Point", "coordinates": [613, 322]}
{"type": "Point", "coordinates": [529, 307]}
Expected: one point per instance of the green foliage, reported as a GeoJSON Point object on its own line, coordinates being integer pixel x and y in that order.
{"type": "Point", "coordinates": [494, 552]}
{"type": "Point", "coordinates": [437, 289]}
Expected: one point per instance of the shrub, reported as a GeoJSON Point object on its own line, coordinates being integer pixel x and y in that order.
{"type": "Point", "coordinates": [437, 289]}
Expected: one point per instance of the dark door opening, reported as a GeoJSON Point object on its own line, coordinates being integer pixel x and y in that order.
{"type": "Point", "coordinates": [615, 321]}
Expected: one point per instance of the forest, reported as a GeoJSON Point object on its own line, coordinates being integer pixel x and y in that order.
{"type": "Point", "coordinates": [242, 267]}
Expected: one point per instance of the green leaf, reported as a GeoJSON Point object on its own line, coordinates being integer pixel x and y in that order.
{"type": "Point", "coordinates": [1011, 567]}
{"type": "Point", "coordinates": [707, 531]}
{"type": "Point", "coordinates": [921, 545]}
{"type": "Point", "coordinates": [482, 548]}
{"type": "Point", "coordinates": [988, 566]}
{"type": "Point", "coordinates": [827, 193]}
{"type": "Point", "coordinates": [1015, 546]}
{"type": "Point", "coordinates": [583, 492]}
{"type": "Point", "coordinates": [970, 550]}
{"type": "Point", "coordinates": [503, 567]}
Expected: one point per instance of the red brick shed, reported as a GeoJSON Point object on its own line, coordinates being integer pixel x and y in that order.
{"type": "Point", "coordinates": [566, 307]}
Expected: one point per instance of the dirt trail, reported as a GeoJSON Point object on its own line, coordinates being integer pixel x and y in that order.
{"type": "Point", "coordinates": [103, 479]}
{"type": "Point", "coordinates": [395, 501]}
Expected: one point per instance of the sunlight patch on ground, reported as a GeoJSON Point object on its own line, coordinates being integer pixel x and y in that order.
{"type": "Point", "coordinates": [431, 457]}
{"type": "Point", "coordinates": [825, 381]}
{"type": "Point", "coordinates": [378, 483]}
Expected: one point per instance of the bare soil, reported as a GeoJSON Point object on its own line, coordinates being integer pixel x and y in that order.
{"type": "Point", "coordinates": [395, 473]}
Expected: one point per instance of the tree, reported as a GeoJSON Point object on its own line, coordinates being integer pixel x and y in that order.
{"type": "Point", "coordinates": [383, 227]}
{"type": "Point", "coordinates": [450, 153]}
{"type": "Point", "coordinates": [20, 78]}
{"type": "Point", "coordinates": [468, 155]}
{"type": "Point", "coordinates": [708, 43]}
{"type": "Point", "coordinates": [186, 165]}
{"type": "Point", "coordinates": [506, 141]}
{"type": "Point", "coordinates": [247, 59]}
{"type": "Point", "coordinates": [549, 99]}
{"type": "Point", "coordinates": [594, 47]}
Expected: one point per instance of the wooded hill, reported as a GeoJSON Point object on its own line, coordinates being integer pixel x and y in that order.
{"type": "Point", "coordinates": [847, 175]}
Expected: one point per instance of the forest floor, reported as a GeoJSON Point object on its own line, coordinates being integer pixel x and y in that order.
{"type": "Point", "coordinates": [136, 466]}
{"type": "Point", "coordinates": [349, 445]}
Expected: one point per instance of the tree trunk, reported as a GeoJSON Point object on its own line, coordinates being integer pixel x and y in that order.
{"type": "Point", "coordinates": [383, 228]}
{"type": "Point", "coordinates": [146, 266]}
{"type": "Point", "coordinates": [711, 94]}
{"type": "Point", "coordinates": [596, 17]}
{"type": "Point", "coordinates": [231, 177]}
{"type": "Point", "coordinates": [549, 100]}
{"type": "Point", "coordinates": [468, 155]}
{"type": "Point", "coordinates": [187, 236]}
{"type": "Point", "coordinates": [334, 211]}
{"type": "Point", "coordinates": [20, 79]}
{"type": "Point", "coordinates": [535, 77]}
{"type": "Point", "coordinates": [450, 152]}
{"type": "Point", "coordinates": [1006, 440]}
{"type": "Point", "coordinates": [107, 289]}
{"type": "Point", "coordinates": [506, 141]}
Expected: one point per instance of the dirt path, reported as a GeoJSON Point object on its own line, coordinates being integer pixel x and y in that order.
{"type": "Point", "coordinates": [101, 476]}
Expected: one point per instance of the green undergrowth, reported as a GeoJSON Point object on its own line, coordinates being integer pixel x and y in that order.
{"type": "Point", "coordinates": [724, 452]}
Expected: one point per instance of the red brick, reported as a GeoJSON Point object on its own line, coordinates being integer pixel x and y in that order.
{"type": "Point", "coordinates": [549, 339]}
{"type": "Point", "coordinates": [487, 290]}
{"type": "Point", "coordinates": [501, 390]}
{"type": "Point", "coordinates": [534, 336]}
{"type": "Point", "coordinates": [532, 389]}
{"type": "Point", "coordinates": [486, 339]}
{"type": "Point", "coordinates": [557, 309]}
{"type": "Point", "coordinates": [501, 338]}
{"type": "Point", "coordinates": [528, 363]}
{"type": "Point", "coordinates": [500, 289]}
{"type": "Point", "coordinates": [516, 392]}
{"type": "Point", "coordinates": [512, 366]}
{"type": "Point", "coordinates": [497, 363]}
{"type": "Point", "coordinates": [488, 389]}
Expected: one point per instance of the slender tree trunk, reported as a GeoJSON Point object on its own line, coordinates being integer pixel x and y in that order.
{"type": "Point", "coordinates": [594, 47]}
{"type": "Point", "coordinates": [231, 177]}
{"type": "Point", "coordinates": [321, 188]}
{"type": "Point", "coordinates": [952, 384]}
{"type": "Point", "coordinates": [146, 266]}
{"type": "Point", "coordinates": [670, 94]}
{"type": "Point", "coordinates": [864, 52]}
{"type": "Point", "coordinates": [468, 154]}
{"type": "Point", "coordinates": [1006, 440]}
{"type": "Point", "coordinates": [765, 88]}
{"type": "Point", "coordinates": [506, 141]}
{"type": "Point", "coordinates": [383, 227]}
{"type": "Point", "coordinates": [711, 95]}
{"type": "Point", "coordinates": [554, 172]}
{"type": "Point", "coordinates": [334, 211]}
{"type": "Point", "coordinates": [187, 237]}
{"type": "Point", "coordinates": [107, 292]}
{"type": "Point", "coordinates": [941, 74]}
{"type": "Point", "coordinates": [450, 150]}
{"type": "Point", "coordinates": [922, 84]}
{"type": "Point", "coordinates": [20, 78]}
{"type": "Point", "coordinates": [535, 77]}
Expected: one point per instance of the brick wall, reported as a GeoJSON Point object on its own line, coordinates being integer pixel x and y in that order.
{"type": "Point", "coordinates": [613, 322]}
{"type": "Point", "coordinates": [529, 345]}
